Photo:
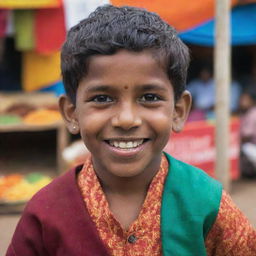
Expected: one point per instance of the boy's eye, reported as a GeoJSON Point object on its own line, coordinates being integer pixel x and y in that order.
{"type": "Point", "coordinates": [101, 99]}
{"type": "Point", "coordinates": [149, 97]}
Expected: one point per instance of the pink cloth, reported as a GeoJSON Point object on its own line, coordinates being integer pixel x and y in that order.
{"type": "Point", "coordinates": [248, 125]}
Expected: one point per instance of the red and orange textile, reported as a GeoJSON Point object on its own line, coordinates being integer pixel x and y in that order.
{"type": "Point", "coordinates": [231, 232]}
{"type": "Point", "coordinates": [51, 18]}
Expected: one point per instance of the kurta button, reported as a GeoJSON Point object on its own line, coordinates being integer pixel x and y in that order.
{"type": "Point", "coordinates": [132, 239]}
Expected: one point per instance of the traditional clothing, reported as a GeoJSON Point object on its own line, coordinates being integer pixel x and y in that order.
{"type": "Point", "coordinates": [190, 219]}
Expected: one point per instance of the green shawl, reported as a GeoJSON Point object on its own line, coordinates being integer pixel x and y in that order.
{"type": "Point", "coordinates": [190, 205]}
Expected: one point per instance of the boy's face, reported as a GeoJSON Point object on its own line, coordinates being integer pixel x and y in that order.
{"type": "Point", "coordinates": [125, 111]}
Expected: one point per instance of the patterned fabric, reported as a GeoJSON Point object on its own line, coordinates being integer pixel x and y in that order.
{"type": "Point", "coordinates": [146, 228]}
{"type": "Point", "coordinates": [231, 235]}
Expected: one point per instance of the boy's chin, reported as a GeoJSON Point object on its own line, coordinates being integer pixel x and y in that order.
{"type": "Point", "coordinates": [134, 169]}
{"type": "Point", "coordinates": [126, 174]}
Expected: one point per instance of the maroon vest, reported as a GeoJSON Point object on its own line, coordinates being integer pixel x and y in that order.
{"type": "Point", "coordinates": [56, 223]}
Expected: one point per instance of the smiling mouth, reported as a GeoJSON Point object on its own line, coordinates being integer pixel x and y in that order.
{"type": "Point", "coordinates": [126, 144]}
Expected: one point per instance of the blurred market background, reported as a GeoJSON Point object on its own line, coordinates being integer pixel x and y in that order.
{"type": "Point", "coordinates": [34, 144]}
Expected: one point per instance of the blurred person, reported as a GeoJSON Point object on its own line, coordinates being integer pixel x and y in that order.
{"type": "Point", "coordinates": [248, 81]}
{"type": "Point", "coordinates": [203, 92]}
{"type": "Point", "coordinates": [248, 133]}
{"type": "Point", "coordinates": [235, 94]}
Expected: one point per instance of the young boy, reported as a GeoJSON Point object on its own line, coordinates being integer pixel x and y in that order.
{"type": "Point", "coordinates": [124, 71]}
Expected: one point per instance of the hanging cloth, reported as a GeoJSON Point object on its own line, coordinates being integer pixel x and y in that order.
{"type": "Point", "coordinates": [243, 23]}
{"type": "Point", "coordinates": [181, 14]}
{"type": "Point", "coordinates": [39, 70]}
{"type": "Point", "coordinates": [24, 29]}
{"type": "Point", "coordinates": [3, 22]}
{"type": "Point", "coordinates": [50, 30]}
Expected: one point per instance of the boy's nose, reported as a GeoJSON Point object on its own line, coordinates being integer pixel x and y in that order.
{"type": "Point", "coordinates": [126, 117]}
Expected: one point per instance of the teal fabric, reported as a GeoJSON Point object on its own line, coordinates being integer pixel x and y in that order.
{"type": "Point", "coordinates": [243, 23]}
{"type": "Point", "coordinates": [190, 205]}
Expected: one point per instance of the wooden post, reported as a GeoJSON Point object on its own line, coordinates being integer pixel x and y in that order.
{"type": "Point", "coordinates": [222, 80]}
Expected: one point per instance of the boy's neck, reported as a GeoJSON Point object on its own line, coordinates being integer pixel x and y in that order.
{"type": "Point", "coordinates": [126, 195]}
{"type": "Point", "coordinates": [128, 186]}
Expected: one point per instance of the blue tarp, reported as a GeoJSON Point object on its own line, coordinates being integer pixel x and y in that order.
{"type": "Point", "coordinates": [243, 23]}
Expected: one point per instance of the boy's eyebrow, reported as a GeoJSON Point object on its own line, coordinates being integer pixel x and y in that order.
{"type": "Point", "coordinates": [98, 88]}
{"type": "Point", "coordinates": [148, 87]}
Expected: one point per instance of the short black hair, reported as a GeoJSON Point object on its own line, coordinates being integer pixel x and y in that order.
{"type": "Point", "coordinates": [109, 29]}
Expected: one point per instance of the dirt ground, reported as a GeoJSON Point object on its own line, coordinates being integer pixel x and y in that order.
{"type": "Point", "coordinates": [243, 193]}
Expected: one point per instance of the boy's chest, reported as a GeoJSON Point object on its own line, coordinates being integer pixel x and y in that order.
{"type": "Point", "coordinates": [125, 210]}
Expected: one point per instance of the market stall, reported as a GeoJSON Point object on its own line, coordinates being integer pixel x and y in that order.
{"type": "Point", "coordinates": [24, 169]}
{"type": "Point", "coordinates": [38, 30]}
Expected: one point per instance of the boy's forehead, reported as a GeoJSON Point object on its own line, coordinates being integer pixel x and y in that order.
{"type": "Point", "coordinates": [121, 58]}
{"type": "Point", "coordinates": [124, 68]}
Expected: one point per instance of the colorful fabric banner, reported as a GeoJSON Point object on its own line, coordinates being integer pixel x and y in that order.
{"type": "Point", "coordinates": [24, 29]}
{"type": "Point", "coordinates": [50, 30]}
{"type": "Point", "coordinates": [181, 14]}
{"type": "Point", "coordinates": [26, 4]}
{"type": "Point", "coordinates": [243, 23]}
{"type": "Point", "coordinates": [39, 70]}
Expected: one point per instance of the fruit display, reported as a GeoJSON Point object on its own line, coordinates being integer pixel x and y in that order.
{"type": "Point", "coordinates": [20, 188]}
{"type": "Point", "coordinates": [42, 116]}
{"type": "Point", "coordinates": [29, 114]}
{"type": "Point", "coordinates": [7, 119]}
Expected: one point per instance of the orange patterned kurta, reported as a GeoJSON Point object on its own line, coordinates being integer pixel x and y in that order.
{"type": "Point", "coordinates": [230, 235]}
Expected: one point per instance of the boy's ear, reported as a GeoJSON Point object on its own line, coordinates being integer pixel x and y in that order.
{"type": "Point", "coordinates": [67, 110]}
{"type": "Point", "coordinates": [181, 111]}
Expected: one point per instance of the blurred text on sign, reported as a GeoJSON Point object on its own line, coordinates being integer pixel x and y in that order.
{"type": "Point", "coordinates": [195, 145]}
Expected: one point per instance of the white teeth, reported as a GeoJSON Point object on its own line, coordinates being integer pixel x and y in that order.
{"type": "Point", "coordinates": [126, 144]}
{"type": "Point", "coordinates": [122, 145]}
{"type": "Point", "coordinates": [129, 144]}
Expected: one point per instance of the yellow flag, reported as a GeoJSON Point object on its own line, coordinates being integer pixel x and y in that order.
{"type": "Point", "coordinates": [16, 4]}
{"type": "Point", "coordinates": [39, 71]}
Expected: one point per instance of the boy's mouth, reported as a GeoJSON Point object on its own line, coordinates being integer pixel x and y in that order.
{"type": "Point", "coordinates": [126, 144]}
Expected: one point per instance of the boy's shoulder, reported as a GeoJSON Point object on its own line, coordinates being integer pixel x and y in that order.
{"type": "Point", "coordinates": [56, 218]}
{"type": "Point", "coordinates": [62, 192]}
{"type": "Point", "coordinates": [187, 171]}
{"type": "Point", "coordinates": [191, 199]}
{"type": "Point", "coordinates": [192, 185]}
